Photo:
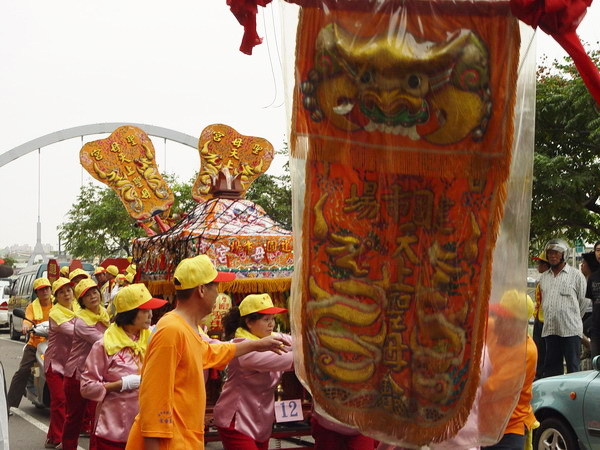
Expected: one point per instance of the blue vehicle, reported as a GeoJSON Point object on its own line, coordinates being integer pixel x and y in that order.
{"type": "Point", "coordinates": [568, 409]}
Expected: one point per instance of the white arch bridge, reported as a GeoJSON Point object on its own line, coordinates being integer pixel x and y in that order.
{"type": "Point", "coordinates": [76, 132]}
{"type": "Point", "coordinates": [96, 128]}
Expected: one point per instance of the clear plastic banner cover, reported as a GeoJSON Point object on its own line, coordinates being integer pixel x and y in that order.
{"type": "Point", "coordinates": [411, 154]}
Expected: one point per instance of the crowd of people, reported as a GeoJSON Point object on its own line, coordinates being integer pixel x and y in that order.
{"type": "Point", "coordinates": [130, 386]}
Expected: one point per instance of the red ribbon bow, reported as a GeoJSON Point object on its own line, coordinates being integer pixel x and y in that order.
{"type": "Point", "coordinates": [560, 19]}
{"type": "Point", "coordinates": [245, 12]}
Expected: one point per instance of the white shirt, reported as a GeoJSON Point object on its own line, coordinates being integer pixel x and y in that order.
{"type": "Point", "coordinates": [563, 302]}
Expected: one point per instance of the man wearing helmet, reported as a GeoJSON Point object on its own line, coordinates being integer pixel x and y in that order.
{"type": "Point", "coordinates": [563, 302]}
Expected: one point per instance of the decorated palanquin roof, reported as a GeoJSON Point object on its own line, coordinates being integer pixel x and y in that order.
{"type": "Point", "coordinates": [236, 234]}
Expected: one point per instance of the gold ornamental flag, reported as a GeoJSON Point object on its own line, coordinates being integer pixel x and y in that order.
{"type": "Point", "coordinates": [230, 161]}
{"type": "Point", "coordinates": [125, 162]}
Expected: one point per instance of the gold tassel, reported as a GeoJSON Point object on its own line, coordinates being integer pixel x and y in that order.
{"type": "Point", "coordinates": [256, 285]}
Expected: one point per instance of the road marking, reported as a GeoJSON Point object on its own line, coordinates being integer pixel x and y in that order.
{"type": "Point", "coordinates": [10, 340]}
{"type": "Point", "coordinates": [33, 421]}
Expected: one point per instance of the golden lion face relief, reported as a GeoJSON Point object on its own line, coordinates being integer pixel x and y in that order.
{"type": "Point", "coordinates": [399, 85]}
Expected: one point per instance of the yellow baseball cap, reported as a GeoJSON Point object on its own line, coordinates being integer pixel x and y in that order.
{"type": "Point", "coordinates": [62, 281]}
{"type": "Point", "coordinates": [99, 269]}
{"type": "Point", "coordinates": [39, 283]}
{"type": "Point", "coordinates": [259, 303]}
{"type": "Point", "coordinates": [83, 286]}
{"type": "Point", "coordinates": [113, 270]}
{"type": "Point", "coordinates": [64, 271]}
{"type": "Point", "coordinates": [542, 257]}
{"type": "Point", "coordinates": [515, 304]}
{"type": "Point", "coordinates": [196, 271]}
{"type": "Point", "coordinates": [136, 296]}
{"type": "Point", "coordinates": [78, 272]}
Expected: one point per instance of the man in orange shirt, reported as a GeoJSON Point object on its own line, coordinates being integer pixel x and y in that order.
{"type": "Point", "coordinates": [37, 311]}
{"type": "Point", "coordinates": [172, 393]}
{"type": "Point", "coordinates": [512, 313]}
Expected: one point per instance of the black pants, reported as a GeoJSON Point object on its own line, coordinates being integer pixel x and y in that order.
{"type": "Point", "coordinates": [509, 441]}
{"type": "Point", "coordinates": [19, 379]}
{"type": "Point", "coordinates": [557, 348]}
{"type": "Point", "coordinates": [541, 348]}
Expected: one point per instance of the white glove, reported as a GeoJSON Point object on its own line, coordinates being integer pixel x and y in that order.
{"type": "Point", "coordinates": [130, 382]}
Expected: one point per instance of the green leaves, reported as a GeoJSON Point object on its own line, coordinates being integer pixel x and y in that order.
{"type": "Point", "coordinates": [566, 186]}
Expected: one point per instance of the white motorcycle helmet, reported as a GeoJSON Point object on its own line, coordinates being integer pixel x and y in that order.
{"type": "Point", "coordinates": [558, 245]}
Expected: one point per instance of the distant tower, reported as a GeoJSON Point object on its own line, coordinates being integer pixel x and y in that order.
{"type": "Point", "coordinates": [38, 250]}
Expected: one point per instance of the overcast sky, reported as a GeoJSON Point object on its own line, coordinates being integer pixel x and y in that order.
{"type": "Point", "coordinates": [171, 64]}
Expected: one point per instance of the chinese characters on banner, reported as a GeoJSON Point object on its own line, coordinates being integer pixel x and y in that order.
{"type": "Point", "coordinates": [125, 162]}
{"type": "Point", "coordinates": [224, 150]}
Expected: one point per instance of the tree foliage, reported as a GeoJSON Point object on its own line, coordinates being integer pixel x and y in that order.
{"type": "Point", "coordinates": [274, 194]}
{"type": "Point", "coordinates": [566, 186]}
{"type": "Point", "coordinates": [98, 225]}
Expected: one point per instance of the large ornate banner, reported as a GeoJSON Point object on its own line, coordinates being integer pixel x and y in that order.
{"type": "Point", "coordinates": [403, 115]}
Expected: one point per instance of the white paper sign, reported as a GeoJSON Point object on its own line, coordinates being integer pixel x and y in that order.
{"type": "Point", "coordinates": [288, 410]}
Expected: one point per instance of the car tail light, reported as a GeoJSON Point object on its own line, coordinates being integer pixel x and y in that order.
{"type": "Point", "coordinates": [4, 306]}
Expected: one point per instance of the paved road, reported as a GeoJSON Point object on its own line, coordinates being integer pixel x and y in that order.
{"type": "Point", "coordinates": [28, 425]}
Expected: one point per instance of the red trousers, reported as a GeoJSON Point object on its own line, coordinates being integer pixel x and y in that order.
{"type": "Point", "coordinates": [105, 444]}
{"type": "Point", "coordinates": [55, 383]}
{"type": "Point", "coordinates": [234, 440]}
{"type": "Point", "coordinates": [326, 439]}
{"type": "Point", "coordinates": [75, 409]}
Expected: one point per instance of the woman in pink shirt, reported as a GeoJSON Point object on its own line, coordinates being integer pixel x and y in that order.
{"type": "Point", "coordinates": [90, 324]}
{"type": "Point", "coordinates": [112, 369]}
{"type": "Point", "coordinates": [62, 318]}
{"type": "Point", "coordinates": [244, 413]}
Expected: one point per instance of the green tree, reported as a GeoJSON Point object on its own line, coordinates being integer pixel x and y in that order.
{"type": "Point", "coordinates": [98, 225]}
{"type": "Point", "coordinates": [274, 194]}
{"type": "Point", "coordinates": [566, 186]}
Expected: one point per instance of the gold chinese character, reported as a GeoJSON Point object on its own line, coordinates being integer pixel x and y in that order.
{"type": "Point", "coordinates": [397, 203]}
{"type": "Point", "coordinates": [235, 246]}
{"type": "Point", "coordinates": [217, 136]}
{"type": "Point", "coordinates": [129, 170]}
{"type": "Point", "coordinates": [96, 154]}
{"type": "Point", "coordinates": [248, 247]}
{"type": "Point", "coordinates": [392, 352]}
{"type": "Point", "coordinates": [256, 149]}
{"type": "Point", "coordinates": [285, 246]}
{"type": "Point", "coordinates": [233, 153]}
{"type": "Point", "coordinates": [131, 140]}
{"type": "Point", "coordinates": [237, 142]}
{"type": "Point", "coordinates": [404, 247]}
{"type": "Point", "coordinates": [423, 208]}
{"type": "Point", "coordinates": [366, 205]}
{"type": "Point", "coordinates": [115, 147]}
{"type": "Point", "coordinates": [123, 158]}
{"type": "Point", "coordinates": [145, 193]}
{"type": "Point", "coordinates": [137, 181]}
{"type": "Point", "coordinates": [271, 246]}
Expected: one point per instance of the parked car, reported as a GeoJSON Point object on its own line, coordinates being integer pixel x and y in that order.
{"type": "Point", "coordinates": [4, 297]}
{"type": "Point", "coordinates": [568, 409]}
{"type": "Point", "coordinates": [22, 293]}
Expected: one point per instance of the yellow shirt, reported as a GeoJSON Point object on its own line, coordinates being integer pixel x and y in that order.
{"type": "Point", "coordinates": [33, 339]}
